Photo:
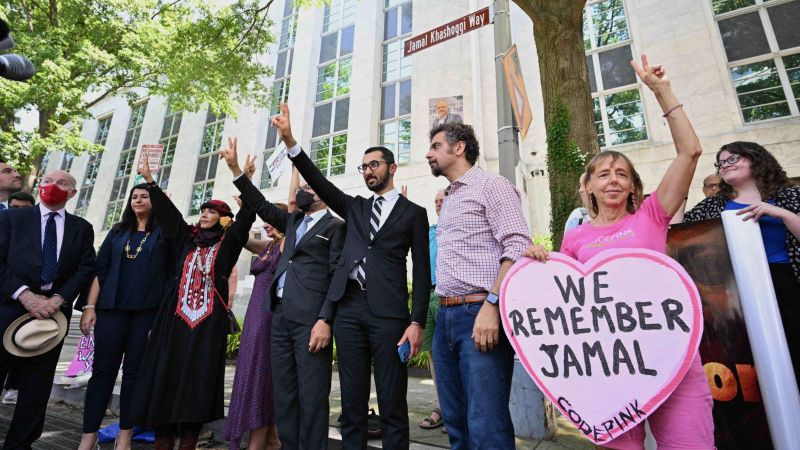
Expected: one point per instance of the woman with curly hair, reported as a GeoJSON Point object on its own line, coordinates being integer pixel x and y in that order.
{"type": "Point", "coordinates": [181, 381]}
{"type": "Point", "coordinates": [755, 184]}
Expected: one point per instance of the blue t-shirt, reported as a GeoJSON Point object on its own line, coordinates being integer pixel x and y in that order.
{"type": "Point", "coordinates": [434, 248]}
{"type": "Point", "coordinates": [773, 232]}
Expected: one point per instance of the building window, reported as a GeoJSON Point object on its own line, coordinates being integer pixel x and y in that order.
{"type": "Point", "coordinates": [203, 187]}
{"type": "Point", "coordinates": [40, 173]}
{"type": "Point", "coordinates": [394, 129]}
{"type": "Point", "coordinates": [169, 139]}
{"type": "Point", "coordinates": [618, 107]}
{"type": "Point", "coordinates": [66, 163]}
{"type": "Point", "coordinates": [338, 13]}
{"type": "Point", "coordinates": [761, 45]}
{"type": "Point", "coordinates": [92, 167]}
{"type": "Point", "coordinates": [122, 176]}
{"type": "Point", "coordinates": [332, 101]}
{"type": "Point", "coordinates": [330, 154]}
{"type": "Point", "coordinates": [280, 87]}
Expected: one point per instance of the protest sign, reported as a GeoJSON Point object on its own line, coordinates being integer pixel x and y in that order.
{"type": "Point", "coordinates": [153, 153]}
{"type": "Point", "coordinates": [83, 359]}
{"type": "Point", "coordinates": [278, 162]}
{"type": "Point", "coordinates": [607, 341]}
{"type": "Point", "coordinates": [740, 422]}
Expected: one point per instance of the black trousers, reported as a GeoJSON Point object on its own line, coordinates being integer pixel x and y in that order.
{"type": "Point", "coordinates": [116, 333]}
{"type": "Point", "coordinates": [301, 384]}
{"type": "Point", "coordinates": [787, 292]}
{"type": "Point", "coordinates": [361, 339]}
{"type": "Point", "coordinates": [35, 382]}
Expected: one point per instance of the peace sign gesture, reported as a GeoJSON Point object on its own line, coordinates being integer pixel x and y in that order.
{"type": "Point", "coordinates": [231, 157]}
{"type": "Point", "coordinates": [655, 77]}
{"type": "Point", "coordinates": [284, 126]}
{"type": "Point", "coordinates": [144, 169]}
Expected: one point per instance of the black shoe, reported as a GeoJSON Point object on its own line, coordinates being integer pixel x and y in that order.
{"type": "Point", "coordinates": [373, 425]}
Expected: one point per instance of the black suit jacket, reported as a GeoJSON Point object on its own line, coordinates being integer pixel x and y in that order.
{"type": "Point", "coordinates": [21, 255]}
{"type": "Point", "coordinates": [308, 265]}
{"type": "Point", "coordinates": [405, 228]}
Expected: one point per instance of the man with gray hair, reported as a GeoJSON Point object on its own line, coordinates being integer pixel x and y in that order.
{"type": "Point", "coordinates": [46, 260]}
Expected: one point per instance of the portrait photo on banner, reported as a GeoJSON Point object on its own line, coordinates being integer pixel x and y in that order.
{"type": "Point", "coordinates": [443, 110]}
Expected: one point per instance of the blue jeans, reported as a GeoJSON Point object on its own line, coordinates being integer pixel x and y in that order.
{"type": "Point", "coordinates": [473, 387]}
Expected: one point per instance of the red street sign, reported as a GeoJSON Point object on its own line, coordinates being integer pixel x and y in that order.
{"type": "Point", "coordinates": [446, 32]}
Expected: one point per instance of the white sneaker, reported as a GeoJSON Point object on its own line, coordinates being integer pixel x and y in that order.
{"type": "Point", "coordinates": [10, 398]}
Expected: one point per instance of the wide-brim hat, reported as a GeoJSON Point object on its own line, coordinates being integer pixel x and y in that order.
{"type": "Point", "coordinates": [219, 206]}
{"type": "Point", "coordinates": [28, 336]}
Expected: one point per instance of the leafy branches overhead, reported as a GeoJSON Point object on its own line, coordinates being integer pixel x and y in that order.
{"type": "Point", "coordinates": [191, 51]}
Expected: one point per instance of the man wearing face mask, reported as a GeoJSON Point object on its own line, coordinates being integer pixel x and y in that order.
{"type": "Point", "coordinates": [301, 322]}
{"type": "Point", "coordinates": [46, 261]}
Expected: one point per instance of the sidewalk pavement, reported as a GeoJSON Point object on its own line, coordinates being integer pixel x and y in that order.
{"type": "Point", "coordinates": [63, 424]}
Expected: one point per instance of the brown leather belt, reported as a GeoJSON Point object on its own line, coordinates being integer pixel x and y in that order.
{"type": "Point", "coordinates": [462, 299]}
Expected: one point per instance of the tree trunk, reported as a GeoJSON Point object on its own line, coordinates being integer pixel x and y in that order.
{"type": "Point", "coordinates": [29, 180]}
{"type": "Point", "coordinates": [558, 32]}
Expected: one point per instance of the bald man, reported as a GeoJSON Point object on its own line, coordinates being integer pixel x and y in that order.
{"type": "Point", "coordinates": [711, 185]}
{"type": "Point", "coordinates": [46, 261]}
{"type": "Point", "coordinates": [443, 114]}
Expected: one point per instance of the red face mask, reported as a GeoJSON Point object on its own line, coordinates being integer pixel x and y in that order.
{"type": "Point", "coordinates": [51, 194]}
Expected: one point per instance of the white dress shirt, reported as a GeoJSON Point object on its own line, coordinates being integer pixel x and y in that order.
{"type": "Point", "coordinates": [389, 200]}
{"type": "Point", "coordinates": [59, 219]}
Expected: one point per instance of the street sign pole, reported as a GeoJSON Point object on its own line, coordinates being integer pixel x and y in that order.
{"type": "Point", "coordinates": [507, 140]}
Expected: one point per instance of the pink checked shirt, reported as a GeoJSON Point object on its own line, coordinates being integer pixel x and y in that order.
{"type": "Point", "coordinates": [481, 223]}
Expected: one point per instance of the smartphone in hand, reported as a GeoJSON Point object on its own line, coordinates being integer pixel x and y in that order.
{"type": "Point", "coordinates": [404, 351]}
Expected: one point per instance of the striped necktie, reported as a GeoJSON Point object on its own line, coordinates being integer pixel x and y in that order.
{"type": "Point", "coordinates": [374, 226]}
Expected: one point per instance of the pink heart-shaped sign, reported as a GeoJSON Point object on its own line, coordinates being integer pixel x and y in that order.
{"type": "Point", "coordinates": [607, 341]}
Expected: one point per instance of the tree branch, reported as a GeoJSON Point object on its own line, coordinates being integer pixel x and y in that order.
{"type": "Point", "coordinates": [164, 8]}
{"type": "Point", "coordinates": [54, 13]}
{"type": "Point", "coordinates": [253, 24]}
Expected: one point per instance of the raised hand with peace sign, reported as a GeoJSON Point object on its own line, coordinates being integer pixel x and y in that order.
{"type": "Point", "coordinates": [655, 77]}
{"type": "Point", "coordinates": [284, 126]}
{"type": "Point", "coordinates": [231, 157]}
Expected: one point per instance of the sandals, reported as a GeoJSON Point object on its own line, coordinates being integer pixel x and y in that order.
{"type": "Point", "coordinates": [429, 423]}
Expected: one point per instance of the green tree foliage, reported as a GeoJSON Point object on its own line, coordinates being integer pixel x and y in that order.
{"type": "Point", "coordinates": [192, 51]}
{"type": "Point", "coordinates": [565, 162]}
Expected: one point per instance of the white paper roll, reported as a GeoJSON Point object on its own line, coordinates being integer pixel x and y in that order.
{"type": "Point", "coordinates": [765, 330]}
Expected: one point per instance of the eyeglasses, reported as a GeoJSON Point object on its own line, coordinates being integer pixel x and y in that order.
{"type": "Point", "coordinates": [373, 165]}
{"type": "Point", "coordinates": [303, 188]}
{"type": "Point", "coordinates": [711, 186]}
{"type": "Point", "coordinates": [729, 161]}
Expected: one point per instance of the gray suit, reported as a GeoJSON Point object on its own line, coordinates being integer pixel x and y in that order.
{"type": "Point", "coordinates": [449, 118]}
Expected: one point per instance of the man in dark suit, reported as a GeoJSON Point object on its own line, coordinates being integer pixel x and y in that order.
{"type": "Point", "coordinates": [301, 322]}
{"type": "Point", "coordinates": [46, 261]}
{"type": "Point", "coordinates": [370, 288]}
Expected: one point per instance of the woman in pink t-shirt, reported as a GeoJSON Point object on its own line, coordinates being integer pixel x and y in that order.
{"type": "Point", "coordinates": [621, 219]}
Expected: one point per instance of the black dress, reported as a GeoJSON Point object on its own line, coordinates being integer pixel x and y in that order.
{"type": "Point", "coordinates": [183, 371]}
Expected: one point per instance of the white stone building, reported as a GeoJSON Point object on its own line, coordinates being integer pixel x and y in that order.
{"type": "Point", "coordinates": [735, 65]}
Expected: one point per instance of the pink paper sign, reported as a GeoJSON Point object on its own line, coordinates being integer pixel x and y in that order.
{"type": "Point", "coordinates": [607, 341]}
{"type": "Point", "coordinates": [83, 359]}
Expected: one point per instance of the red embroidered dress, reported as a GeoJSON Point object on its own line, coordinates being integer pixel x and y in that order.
{"type": "Point", "coordinates": [183, 370]}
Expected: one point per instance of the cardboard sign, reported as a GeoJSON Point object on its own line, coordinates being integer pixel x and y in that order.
{"type": "Point", "coordinates": [278, 162]}
{"type": "Point", "coordinates": [83, 359]}
{"type": "Point", "coordinates": [153, 152]}
{"type": "Point", "coordinates": [607, 341]}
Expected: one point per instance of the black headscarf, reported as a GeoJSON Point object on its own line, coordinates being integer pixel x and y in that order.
{"type": "Point", "coordinates": [207, 237]}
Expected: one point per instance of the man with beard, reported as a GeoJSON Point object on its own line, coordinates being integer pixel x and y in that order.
{"type": "Point", "coordinates": [369, 287]}
{"type": "Point", "coordinates": [481, 233]}
{"type": "Point", "coordinates": [302, 316]}
{"type": "Point", "coordinates": [10, 182]}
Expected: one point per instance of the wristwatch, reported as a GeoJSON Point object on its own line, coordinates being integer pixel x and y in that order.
{"type": "Point", "coordinates": [492, 298]}
{"type": "Point", "coordinates": [325, 319]}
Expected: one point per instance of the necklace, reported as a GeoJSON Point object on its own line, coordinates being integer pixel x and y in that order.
{"type": "Point", "coordinates": [138, 248]}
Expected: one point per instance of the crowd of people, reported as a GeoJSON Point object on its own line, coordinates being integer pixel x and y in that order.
{"type": "Point", "coordinates": [158, 294]}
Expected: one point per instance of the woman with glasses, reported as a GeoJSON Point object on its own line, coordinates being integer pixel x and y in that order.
{"type": "Point", "coordinates": [755, 184]}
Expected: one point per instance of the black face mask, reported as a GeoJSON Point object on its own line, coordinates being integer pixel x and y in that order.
{"type": "Point", "coordinates": [304, 200]}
